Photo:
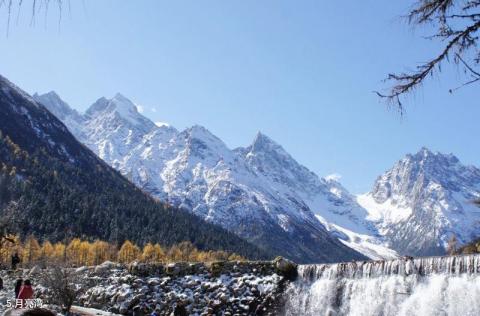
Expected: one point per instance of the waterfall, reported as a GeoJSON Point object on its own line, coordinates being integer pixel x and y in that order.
{"type": "Point", "coordinates": [423, 286]}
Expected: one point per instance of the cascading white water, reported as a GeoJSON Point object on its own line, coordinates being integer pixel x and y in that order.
{"type": "Point", "coordinates": [425, 286]}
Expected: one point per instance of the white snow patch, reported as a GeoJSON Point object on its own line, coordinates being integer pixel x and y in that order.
{"type": "Point", "coordinates": [372, 247]}
{"type": "Point", "coordinates": [161, 124]}
{"type": "Point", "coordinates": [387, 212]}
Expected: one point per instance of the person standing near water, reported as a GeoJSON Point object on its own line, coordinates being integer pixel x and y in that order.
{"type": "Point", "coordinates": [26, 291]}
{"type": "Point", "coordinates": [18, 287]}
{"type": "Point", "coordinates": [15, 261]}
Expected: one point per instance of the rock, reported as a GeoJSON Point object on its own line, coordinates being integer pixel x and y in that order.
{"type": "Point", "coordinates": [123, 309]}
{"type": "Point", "coordinates": [134, 301]}
{"type": "Point", "coordinates": [217, 267]}
{"type": "Point", "coordinates": [113, 310]}
{"type": "Point", "coordinates": [104, 267]}
{"type": "Point", "coordinates": [224, 297]}
{"type": "Point", "coordinates": [220, 288]}
{"type": "Point", "coordinates": [173, 269]}
{"type": "Point", "coordinates": [286, 267]}
{"type": "Point", "coordinates": [180, 310]}
{"type": "Point", "coordinates": [81, 270]}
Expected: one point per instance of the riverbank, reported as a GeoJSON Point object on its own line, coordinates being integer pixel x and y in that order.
{"type": "Point", "coordinates": [227, 288]}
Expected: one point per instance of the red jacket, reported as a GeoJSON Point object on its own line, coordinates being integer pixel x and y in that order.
{"type": "Point", "coordinates": [26, 292]}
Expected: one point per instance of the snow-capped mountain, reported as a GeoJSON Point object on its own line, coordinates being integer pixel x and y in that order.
{"type": "Point", "coordinates": [262, 194]}
{"type": "Point", "coordinates": [259, 192]}
{"type": "Point", "coordinates": [70, 117]}
{"type": "Point", "coordinates": [424, 200]}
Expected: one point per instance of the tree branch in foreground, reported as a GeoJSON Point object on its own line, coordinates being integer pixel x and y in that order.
{"type": "Point", "coordinates": [457, 25]}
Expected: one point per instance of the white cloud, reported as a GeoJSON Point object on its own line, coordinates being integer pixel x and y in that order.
{"type": "Point", "coordinates": [160, 124]}
{"type": "Point", "coordinates": [154, 110]}
{"type": "Point", "coordinates": [333, 177]}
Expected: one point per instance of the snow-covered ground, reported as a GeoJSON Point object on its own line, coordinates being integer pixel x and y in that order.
{"type": "Point", "coordinates": [195, 288]}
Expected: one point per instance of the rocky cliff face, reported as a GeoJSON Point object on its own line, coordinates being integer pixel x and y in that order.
{"type": "Point", "coordinates": [424, 200]}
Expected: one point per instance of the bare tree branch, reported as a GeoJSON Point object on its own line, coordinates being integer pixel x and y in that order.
{"type": "Point", "coordinates": [458, 24]}
{"type": "Point", "coordinates": [37, 6]}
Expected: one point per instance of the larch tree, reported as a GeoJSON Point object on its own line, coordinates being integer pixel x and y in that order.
{"type": "Point", "coordinates": [31, 250]}
{"type": "Point", "coordinates": [159, 253]}
{"type": "Point", "coordinates": [99, 252]}
{"type": "Point", "coordinates": [456, 24]}
{"type": "Point", "coordinates": [59, 251]}
{"type": "Point", "coordinates": [72, 251]}
{"type": "Point", "coordinates": [129, 252]}
{"type": "Point", "coordinates": [47, 252]}
{"type": "Point", "coordinates": [148, 254]}
{"type": "Point", "coordinates": [84, 253]}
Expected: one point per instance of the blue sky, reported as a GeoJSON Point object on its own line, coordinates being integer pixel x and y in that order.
{"type": "Point", "coordinates": [301, 72]}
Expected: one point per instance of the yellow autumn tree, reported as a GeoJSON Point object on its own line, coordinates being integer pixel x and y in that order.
{"type": "Point", "coordinates": [83, 253]}
{"type": "Point", "coordinates": [129, 252]}
{"type": "Point", "coordinates": [80, 252]}
{"type": "Point", "coordinates": [174, 254]}
{"type": "Point", "coordinates": [9, 247]}
{"type": "Point", "coordinates": [235, 257]}
{"type": "Point", "coordinates": [188, 251]}
{"type": "Point", "coordinates": [47, 251]}
{"type": "Point", "coordinates": [148, 254]}
{"type": "Point", "coordinates": [153, 253]}
{"type": "Point", "coordinates": [31, 250]}
{"type": "Point", "coordinates": [99, 252]}
{"type": "Point", "coordinates": [73, 251]}
{"type": "Point", "coordinates": [59, 253]}
{"type": "Point", "coordinates": [159, 253]}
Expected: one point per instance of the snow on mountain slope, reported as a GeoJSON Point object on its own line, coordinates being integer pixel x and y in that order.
{"type": "Point", "coordinates": [259, 192]}
{"type": "Point", "coordinates": [424, 200]}
{"type": "Point", "coordinates": [367, 244]}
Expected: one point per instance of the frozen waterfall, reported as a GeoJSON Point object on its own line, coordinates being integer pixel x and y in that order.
{"type": "Point", "coordinates": [424, 286]}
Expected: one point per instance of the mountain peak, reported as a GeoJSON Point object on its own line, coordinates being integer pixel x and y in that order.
{"type": "Point", "coordinates": [200, 138]}
{"type": "Point", "coordinates": [122, 101]}
{"type": "Point", "coordinates": [261, 137]}
{"type": "Point", "coordinates": [121, 107]}
{"type": "Point", "coordinates": [55, 104]}
{"type": "Point", "coordinates": [418, 171]}
{"type": "Point", "coordinates": [119, 103]}
{"type": "Point", "coordinates": [122, 104]}
{"type": "Point", "coordinates": [50, 94]}
{"type": "Point", "coordinates": [98, 106]}
{"type": "Point", "coordinates": [263, 143]}
{"type": "Point", "coordinates": [426, 156]}
{"type": "Point", "coordinates": [425, 151]}
{"type": "Point", "coordinates": [199, 132]}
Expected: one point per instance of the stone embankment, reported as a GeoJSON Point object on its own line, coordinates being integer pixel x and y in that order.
{"type": "Point", "coordinates": [218, 288]}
